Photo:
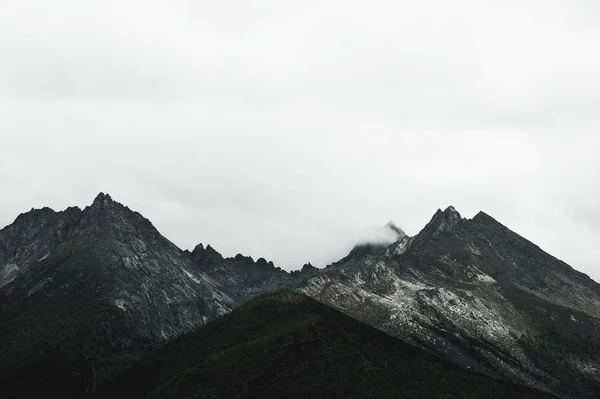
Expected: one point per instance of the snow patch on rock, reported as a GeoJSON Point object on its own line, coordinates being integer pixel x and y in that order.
{"type": "Point", "coordinates": [191, 276]}
{"type": "Point", "coordinates": [485, 278]}
{"type": "Point", "coordinates": [9, 273]}
{"type": "Point", "coordinates": [120, 303]}
{"type": "Point", "coordinates": [400, 246]}
{"type": "Point", "coordinates": [474, 250]}
{"type": "Point", "coordinates": [44, 257]}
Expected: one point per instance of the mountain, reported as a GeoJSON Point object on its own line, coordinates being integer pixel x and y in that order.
{"type": "Point", "coordinates": [288, 345]}
{"type": "Point", "coordinates": [101, 287]}
{"type": "Point", "coordinates": [480, 295]}
{"type": "Point", "coordinates": [100, 281]}
{"type": "Point", "coordinates": [87, 293]}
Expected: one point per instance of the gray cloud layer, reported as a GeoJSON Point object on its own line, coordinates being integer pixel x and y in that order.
{"type": "Point", "coordinates": [291, 130]}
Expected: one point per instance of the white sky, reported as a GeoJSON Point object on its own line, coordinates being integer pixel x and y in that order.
{"type": "Point", "coordinates": [291, 130]}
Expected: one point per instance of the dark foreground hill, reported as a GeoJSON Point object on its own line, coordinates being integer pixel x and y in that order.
{"type": "Point", "coordinates": [286, 345]}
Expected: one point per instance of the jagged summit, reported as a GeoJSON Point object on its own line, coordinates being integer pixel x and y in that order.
{"type": "Point", "coordinates": [483, 217]}
{"type": "Point", "coordinates": [34, 214]}
{"type": "Point", "coordinates": [397, 230]}
{"type": "Point", "coordinates": [105, 201]}
{"type": "Point", "coordinates": [210, 258]}
{"type": "Point", "coordinates": [307, 267]}
{"type": "Point", "coordinates": [206, 256]}
{"type": "Point", "coordinates": [201, 249]}
{"type": "Point", "coordinates": [99, 255]}
{"type": "Point", "coordinates": [108, 216]}
{"type": "Point", "coordinates": [449, 212]}
{"type": "Point", "coordinates": [441, 222]}
{"type": "Point", "coordinates": [102, 197]}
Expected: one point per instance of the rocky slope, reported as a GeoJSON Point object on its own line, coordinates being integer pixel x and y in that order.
{"type": "Point", "coordinates": [480, 295]}
{"type": "Point", "coordinates": [106, 254]}
{"type": "Point", "coordinates": [101, 284]}
{"type": "Point", "coordinates": [286, 345]}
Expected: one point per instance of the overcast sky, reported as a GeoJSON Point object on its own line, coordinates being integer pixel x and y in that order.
{"type": "Point", "coordinates": [291, 129]}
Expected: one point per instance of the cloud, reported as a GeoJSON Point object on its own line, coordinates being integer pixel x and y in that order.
{"type": "Point", "coordinates": [381, 235]}
{"type": "Point", "coordinates": [303, 124]}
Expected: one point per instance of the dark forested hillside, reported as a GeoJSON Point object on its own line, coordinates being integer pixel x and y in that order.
{"type": "Point", "coordinates": [288, 345]}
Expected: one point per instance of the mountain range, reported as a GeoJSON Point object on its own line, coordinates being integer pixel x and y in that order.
{"type": "Point", "coordinates": [96, 302]}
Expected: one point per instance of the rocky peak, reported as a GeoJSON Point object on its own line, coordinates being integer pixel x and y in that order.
{"type": "Point", "coordinates": [244, 259]}
{"type": "Point", "coordinates": [362, 251]}
{"type": "Point", "coordinates": [262, 263]}
{"type": "Point", "coordinates": [103, 204]}
{"type": "Point", "coordinates": [34, 219]}
{"type": "Point", "coordinates": [448, 219]}
{"type": "Point", "coordinates": [102, 200]}
{"type": "Point", "coordinates": [108, 215]}
{"type": "Point", "coordinates": [484, 218]}
{"type": "Point", "coordinates": [307, 271]}
{"type": "Point", "coordinates": [397, 230]}
{"type": "Point", "coordinates": [206, 256]}
{"type": "Point", "coordinates": [442, 222]}
{"type": "Point", "coordinates": [308, 267]}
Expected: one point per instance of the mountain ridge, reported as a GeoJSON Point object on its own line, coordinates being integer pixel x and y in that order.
{"type": "Point", "coordinates": [104, 201]}
{"type": "Point", "coordinates": [470, 291]}
{"type": "Point", "coordinates": [465, 289]}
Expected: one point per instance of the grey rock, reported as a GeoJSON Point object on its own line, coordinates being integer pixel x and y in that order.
{"type": "Point", "coordinates": [106, 254]}
{"type": "Point", "coordinates": [473, 291]}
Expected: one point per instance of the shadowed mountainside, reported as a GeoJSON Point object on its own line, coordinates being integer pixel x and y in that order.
{"type": "Point", "coordinates": [288, 345]}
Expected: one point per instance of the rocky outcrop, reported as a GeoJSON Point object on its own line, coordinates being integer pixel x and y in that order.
{"type": "Point", "coordinates": [242, 277]}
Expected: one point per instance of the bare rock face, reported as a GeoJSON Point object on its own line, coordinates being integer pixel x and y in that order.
{"type": "Point", "coordinates": [105, 255]}
{"type": "Point", "coordinates": [475, 292]}
{"type": "Point", "coordinates": [126, 282]}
